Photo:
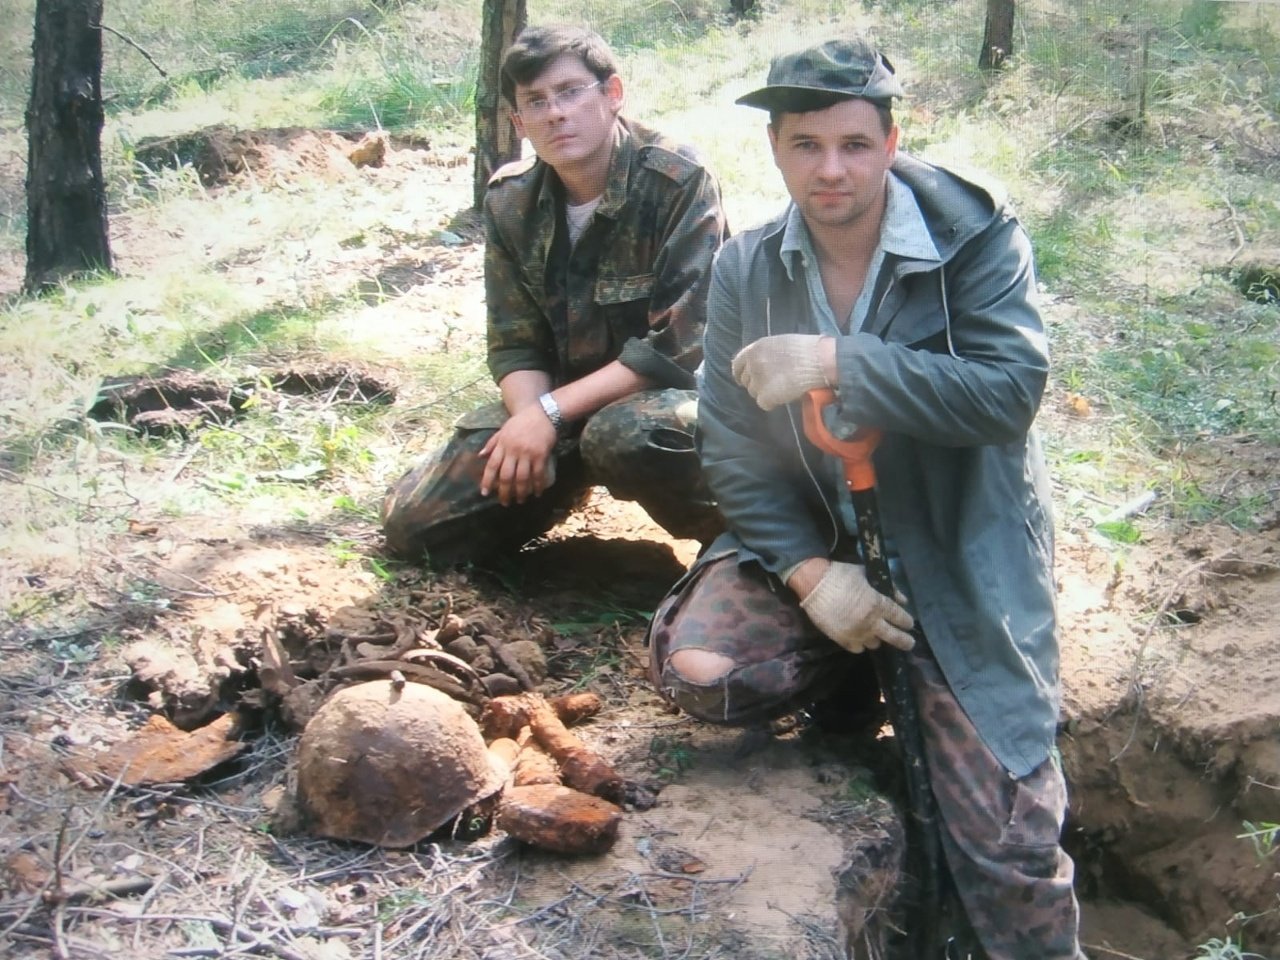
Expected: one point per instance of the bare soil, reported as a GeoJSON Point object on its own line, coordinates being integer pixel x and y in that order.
{"type": "Point", "coordinates": [1171, 706]}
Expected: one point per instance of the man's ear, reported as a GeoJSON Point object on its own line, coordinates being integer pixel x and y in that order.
{"type": "Point", "coordinates": [518, 123]}
{"type": "Point", "coordinates": [616, 93]}
{"type": "Point", "coordinates": [773, 141]}
{"type": "Point", "coordinates": [891, 142]}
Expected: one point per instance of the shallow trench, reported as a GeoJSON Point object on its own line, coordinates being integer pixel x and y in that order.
{"type": "Point", "coordinates": [1155, 829]}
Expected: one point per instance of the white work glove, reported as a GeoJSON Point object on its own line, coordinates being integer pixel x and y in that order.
{"type": "Point", "coordinates": [854, 614]}
{"type": "Point", "coordinates": [776, 370]}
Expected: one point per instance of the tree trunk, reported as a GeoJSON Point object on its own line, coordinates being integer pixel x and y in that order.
{"type": "Point", "coordinates": [997, 37]}
{"type": "Point", "coordinates": [496, 140]}
{"type": "Point", "coordinates": [66, 194]}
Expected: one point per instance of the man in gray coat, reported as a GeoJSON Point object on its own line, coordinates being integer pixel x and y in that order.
{"type": "Point", "coordinates": [910, 291]}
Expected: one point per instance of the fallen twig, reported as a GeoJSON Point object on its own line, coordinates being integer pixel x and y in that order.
{"type": "Point", "coordinates": [81, 890]}
{"type": "Point", "coordinates": [1098, 948]}
{"type": "Point", "coordinates": [1233, 219]}
{"type": "Point", "coordinates": [252, 935]}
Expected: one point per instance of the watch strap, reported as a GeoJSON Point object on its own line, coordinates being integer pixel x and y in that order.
{"type": "Point", "coordinates": [552, 410]}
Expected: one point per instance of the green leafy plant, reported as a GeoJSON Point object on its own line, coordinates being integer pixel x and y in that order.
{"type": "Point", "coordinates": [1228, 949]}
{"type": "Point", "coordinates": [592, 666]}
{"type": "Point", "coordinates": [384, 570]}
{"type": "Point", "coordinates": [398, 900]}
{"type": "Point", "coordinates": [671, 755]}
{"type": "Point", "coordinates": [859, 788]}
{"type": "Point", "coordinates": [73, 653]}
{"type": "Point", "coordinates": [602, 611]}
{"type": "Point", "coordinates": [345, 551]}
{"type": "Point", "coordinates": [1121, 531]}
{"type": "Point", "coordinates": [1264, 836]}
{"type": "Point", "coordinates": [347, 505]}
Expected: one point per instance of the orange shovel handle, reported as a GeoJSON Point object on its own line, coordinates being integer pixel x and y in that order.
{"type": "Point", "coordinates": [855, 452]}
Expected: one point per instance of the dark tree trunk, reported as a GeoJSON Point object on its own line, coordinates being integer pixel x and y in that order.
{"type": "Point", "coordinates": [66, 195]}
{"type": "Point", "coordinates": [997, 38]}
{"type": "Point", "coordinates": [496, 140]}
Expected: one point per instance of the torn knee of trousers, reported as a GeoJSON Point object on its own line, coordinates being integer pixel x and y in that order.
{"type": "Point", "coordinates": [697, 681]}
{"type": "Point", "coordinates": [699, 666]}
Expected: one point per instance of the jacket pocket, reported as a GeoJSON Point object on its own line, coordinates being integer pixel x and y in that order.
{"type": "Point", "coordinates": [623, 306]}
{"type": "Point", "coordinates": [1032, 823]}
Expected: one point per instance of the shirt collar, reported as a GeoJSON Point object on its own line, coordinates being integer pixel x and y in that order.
{"type": "Point", "coordinates": [615, 191]}
{"type": "Point", "coordinates": [903, 231]}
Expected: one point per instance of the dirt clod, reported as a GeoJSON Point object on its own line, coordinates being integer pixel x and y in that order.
{"type": "Point", "coordinates": [174, 401]}
{"type": "Point", "coordinates": [500, 685]}
{"type": "Point", "coordinates": [464, 648]}
{"type": "Point", "coordinates": [530, 657]}
{"type": "Point", "coordinates": [371, 151]}
{"type": "Point", "coordinates": [175, 682]}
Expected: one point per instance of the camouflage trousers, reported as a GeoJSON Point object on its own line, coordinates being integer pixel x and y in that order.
{"type": "Point", "coordinates": [639, 447]}
{"type": "Point", "coordinates": [999, 833]}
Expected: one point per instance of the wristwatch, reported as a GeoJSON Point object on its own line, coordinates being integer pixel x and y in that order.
{"type": "Point", "coordinates": [552, 410]}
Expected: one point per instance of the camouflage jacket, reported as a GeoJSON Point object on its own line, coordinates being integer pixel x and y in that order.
{"type": "Point", "coordinates": [633, 288]}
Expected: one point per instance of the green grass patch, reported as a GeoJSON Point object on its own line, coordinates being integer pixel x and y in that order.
{"type": "Point", "coordinates": [403, 95]}
{"type": "Point", "coordinates": [236, 39]}
{"type": "Point", "coordinates": [649, 25]}
{"type": "Point", "coordinates": [253, 333]}
{"type": "Point", "coordinates": [1194, 375]}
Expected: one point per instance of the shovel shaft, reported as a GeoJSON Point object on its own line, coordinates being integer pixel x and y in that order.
{"type": "Point", "coordinates": [891, 665]}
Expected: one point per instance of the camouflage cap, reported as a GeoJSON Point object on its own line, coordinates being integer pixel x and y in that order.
{"type": "Point", "coordinates": [851, 67]}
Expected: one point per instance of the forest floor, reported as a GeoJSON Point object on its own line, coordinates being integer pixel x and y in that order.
{"type": "Point", "coordinates": [1171, 680]}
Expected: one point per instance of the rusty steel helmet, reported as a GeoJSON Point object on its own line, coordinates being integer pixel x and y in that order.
{"type": "Point", "coordinates": [389, 766]}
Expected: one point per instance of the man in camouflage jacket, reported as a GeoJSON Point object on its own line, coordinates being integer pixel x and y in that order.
{"type": "Point", "coordinates": [596, 265]}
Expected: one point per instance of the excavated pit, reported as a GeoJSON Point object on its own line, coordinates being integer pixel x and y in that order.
{"type": "Point", "coordinates": [1171, 745]}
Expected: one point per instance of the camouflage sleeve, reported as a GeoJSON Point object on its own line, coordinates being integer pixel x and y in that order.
{"type": "Point", "coordinates": [519, 336]}
{"type": "Point", "coordinates": [694, 228]}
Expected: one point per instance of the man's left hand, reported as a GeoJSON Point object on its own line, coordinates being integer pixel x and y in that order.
{"type": "Point", "coordinates": [779, 369]}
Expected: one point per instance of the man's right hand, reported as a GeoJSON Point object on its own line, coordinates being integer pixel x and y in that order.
{"type": "Point", "coordinates": [845, 607]}
{"type": "Point", "coordinates": [518, 457]}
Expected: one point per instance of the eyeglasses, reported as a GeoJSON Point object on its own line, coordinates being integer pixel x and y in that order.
{"type": "Point", "coordinates": [539, 107]}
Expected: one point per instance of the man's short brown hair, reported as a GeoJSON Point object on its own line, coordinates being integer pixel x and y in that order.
{"type": "Point", "coordinates": [535, 48]}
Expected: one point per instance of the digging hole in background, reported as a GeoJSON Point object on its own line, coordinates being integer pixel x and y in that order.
{"type": "Point", "coordinates": [1258, 282]}
{"type": "Point", "coordinates": [1155, 827]}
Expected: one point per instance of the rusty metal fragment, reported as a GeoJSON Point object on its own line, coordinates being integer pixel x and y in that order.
{"type": "Point", "coordinates": [161, 753]}
{"type": "Point", "coordinates": [559, 818]}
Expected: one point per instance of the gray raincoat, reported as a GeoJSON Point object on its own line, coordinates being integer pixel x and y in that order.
{"type": "Point", "coordinates": [951, 366]}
